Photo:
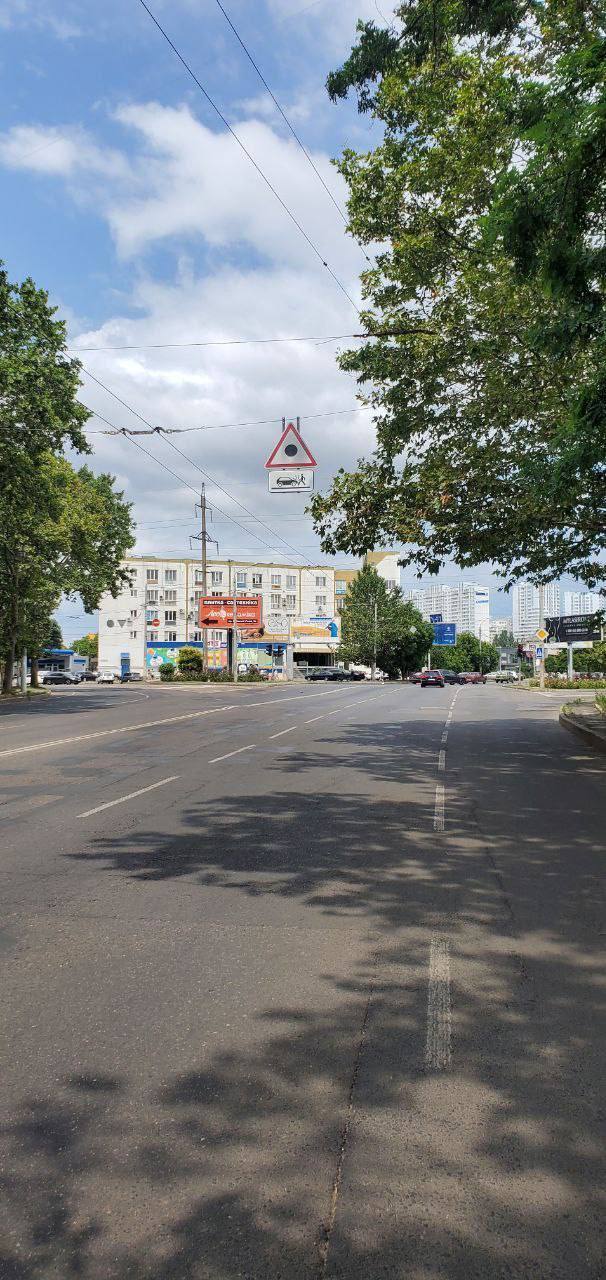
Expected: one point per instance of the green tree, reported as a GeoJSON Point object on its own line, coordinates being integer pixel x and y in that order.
{"type": "Point", "coordinates": [556, 663]}
{"type": "Point", "coordinates": [379, 629]}
{"type": "Point", "coordinates": [487, 197]}
{"type": "Point", "coordinates": [62, 530]}
{"type": "Point", "coordinates": [190, 661]}
{"type": "Point", "coordinates": [88, 646]}
{"type": "Point", "coordinates": [468, 654]}
{"type": "Point", "coordinates": [505, 640]}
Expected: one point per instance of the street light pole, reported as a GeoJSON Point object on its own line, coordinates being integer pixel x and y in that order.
{"type": "Point", "coordinates": [542, 628]}
{"type": "Point", "coordinates": [374, 639]}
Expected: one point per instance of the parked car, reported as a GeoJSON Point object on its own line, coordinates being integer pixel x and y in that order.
{"type": "Point", "coordinates": [88, 675]}
{"type": "Point", "coordinates": [106, 677]}
{"type": "Point", "coordinates": [434, 678]}
{"type": "Point", "coordinates": [339, 674]}
{"type": "Point", "coordinates": [58, 677]}
{"type": "Point", "coordinates": [506, 677]}
{"type": "Point", "coordinates": [452, 677]}
{"type": "Point", "coordinates": [320, 674]}
{"type": "Point", "coordinates": [473, 677]}
{"type": "Point", "coordinates": [130, 677]}
{"type": "Point", "coordinates": [357, 675]}
{"type": "Point", "coordinates": [416, 677]}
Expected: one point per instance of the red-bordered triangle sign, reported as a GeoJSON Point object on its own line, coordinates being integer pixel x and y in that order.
{"type": "Point", "coordinates": [291, 451]}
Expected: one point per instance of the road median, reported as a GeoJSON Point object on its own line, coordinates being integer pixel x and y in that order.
{"type": "Point", "coordinates": [587, 722]}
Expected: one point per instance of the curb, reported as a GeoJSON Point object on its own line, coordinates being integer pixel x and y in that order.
{"type": "Point", "coordinates": [589, 736]}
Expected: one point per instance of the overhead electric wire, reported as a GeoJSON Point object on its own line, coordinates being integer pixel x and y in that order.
{"type": "Point", "coordinates": [160, 432]}
{"type": "Point", "coordinates": [249, 156]}
{"type": "Point", "coordinates": [154, 458]}
{"type": "Point", "coordinates": [221, 342]}
{"type": "Point", "coordinates": [287, 122]}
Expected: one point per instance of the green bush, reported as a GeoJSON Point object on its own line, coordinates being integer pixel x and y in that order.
{"type": "Point", "coordinates": [600, 703]}
{"type": "Point", "coordinates": [166, 671]}
{"type": "Point", "coordinates": [190, 661]}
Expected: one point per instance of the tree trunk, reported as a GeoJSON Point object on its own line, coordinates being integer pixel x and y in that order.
{"type": "Point", "coordinates": [34, 674]}
{"type": "Point", "coordinates": [9, 665]}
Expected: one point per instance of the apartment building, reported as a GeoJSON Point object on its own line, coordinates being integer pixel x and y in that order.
{"type": "Point", "coordinates": [583, 602]}
{"type": "Point", "coordinates": [525, 607]}
{"type": "Point", "coordinates": [157, 610]}
{"type": "Point", "coordinates": [467, 604]}
{"type": "Point", "coordinates": [497, 625]}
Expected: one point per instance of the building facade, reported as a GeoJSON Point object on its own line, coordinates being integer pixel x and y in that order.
{"type": "Point", "coordinates": [157, 610]}
{"type": "Point", "coordinates": [497, 625]}
{"type": "Point", "coordinates": [467, 604]}
{"type": "Point", "coordinates": [525, 602]}
{"type": "Point", "coordinates": [583, 602]}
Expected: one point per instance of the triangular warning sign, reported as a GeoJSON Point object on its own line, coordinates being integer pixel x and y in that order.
{"type": "Point", "coordinates": [291, 451]}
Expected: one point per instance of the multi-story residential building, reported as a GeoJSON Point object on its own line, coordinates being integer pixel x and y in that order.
{"type": "Point", "coordinates": [465, 603]}
{"type": "Point", "coordinates": [496, 625]}
{"type": "Point", "coordinates": [387, 566]}
{"type": "Point", "coordinates": [583, 602]}
{"type": "Point", "coordinates": [525, 607]}
{"type": "Point", "coordinates": [158, 609]}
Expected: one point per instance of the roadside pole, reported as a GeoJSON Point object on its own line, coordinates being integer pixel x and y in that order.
{"type": "Point", "coordinates": [234, 642]}
{"type": "Point", "coordinates": [374, 641]}
{"type": "Point", "coordinates": [24, 671]}
{"type": "Point", "coordinates": [569, 665]}
{"type": "Point", "coordinates": [204, 569]}
{"type": "Point", "coordinates": [542, 627]}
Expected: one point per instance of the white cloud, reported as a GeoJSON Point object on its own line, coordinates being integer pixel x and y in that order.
{"type": "Point", "coordinates": [42, 15]}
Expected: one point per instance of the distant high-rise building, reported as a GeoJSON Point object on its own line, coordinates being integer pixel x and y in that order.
{"type": "Point", "coordinates": [583, 601]}
{"type": "Point", "coordinates": [465, 603]}
{"type": "Point", "coordinates": [499, 624]}
{"type": "Point", "coordinates": [525, 602]}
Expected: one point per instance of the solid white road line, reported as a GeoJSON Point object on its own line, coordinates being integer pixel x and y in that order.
{"type": "Point", "coordinates": [233, 753]}
{"type": "Point", "coordinates": [441, 762]}
{"type": "Point", "coordinates": [440, 804]}
{"type": "Point", "coordinates": [105, 733]}
{"type": "Point", "coordinates": [438, 1043]}
{"type": "Point", "coordinates": [131, 796]}
{"type": "Point", "coordinates": [283, 731]}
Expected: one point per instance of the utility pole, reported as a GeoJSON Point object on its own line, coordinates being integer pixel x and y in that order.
{"type": "Point", "coordinates": [374, 639]}
{"type": "Point", "coordinates": [24, 671]}
{"type": "Point", "coordinates": [541, 628]}
{"type": "Point", "coordinates": [234, 641]}
{"type": "Point", "coordinates": [204, 567]}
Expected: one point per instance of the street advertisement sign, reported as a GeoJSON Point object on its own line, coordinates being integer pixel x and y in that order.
{"type": "Point", "coordinates": [287, 480]}
{"type": "Point", "coordinates": [445, 633]}
{"type": "Point", "coordinates": [315, 628]}
{"type": "Point", "coordinates": [573, 626]}
{"type": "Point", "coordinates": [218, 612]}
{"type": "Point", "coordinates": [435, 617]}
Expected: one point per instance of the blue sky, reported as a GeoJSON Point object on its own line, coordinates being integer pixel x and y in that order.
{"type": "Point", "coordinates": [127, 199]}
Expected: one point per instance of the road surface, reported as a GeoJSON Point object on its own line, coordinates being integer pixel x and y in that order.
{"type": "Point", "coordinates": [301, 983]}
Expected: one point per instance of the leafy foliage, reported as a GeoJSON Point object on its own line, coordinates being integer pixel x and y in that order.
{"type": "Point", "coordinates": [62, 530]}
{"type": "Point", "coordinates": [88, 646]}
{"type": "Point", "coordinates": [466, 655]}
{"type": "Point", "coordinates": [486, 198]}
{"type": "Point", "coordinates": [377, 623]}
{"type": "Point", "coordinates": [190, 661]}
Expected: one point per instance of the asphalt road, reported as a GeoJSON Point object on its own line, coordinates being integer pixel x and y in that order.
{"type": "Point", "coordinates": [301, 983]}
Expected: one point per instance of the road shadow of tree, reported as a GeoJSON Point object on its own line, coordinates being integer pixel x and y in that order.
{"type": "Point", "coordinates": [492, 1169]}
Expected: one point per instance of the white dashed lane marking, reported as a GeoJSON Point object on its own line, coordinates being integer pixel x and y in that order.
{"type": "Point", "coordinates": [109, 804]}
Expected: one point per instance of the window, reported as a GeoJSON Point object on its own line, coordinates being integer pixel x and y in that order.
{"type": "Point", "coordinates": [170, 615]}
{"type": "Point", "coordinates": [199, 576]}
{"type": "Point", "coordinates": [170, 635]}
{"type": "Point", "coordinates": [133, 591]}
{"type": "Point", "coordinates": [276, 579]}
{"type": "Point", "coordinates": [320, 604]}
{"type": "Point", "coordinates": [291, 603]}
{"type": "Point", "coordinates": [391, 584]}
{"type": "Point", "coordinates": [170, 597]}
{"type": "Point", "coordinates": [320, 580]}
{"type": "Point", "coordinates": [216, 577]}
{"type": "Point", "coordinates": [216, 593]}
{"type": "Point", "coordinates": [216, 637]}
{"type": "Point", "coordinates": [275, 601]}
{"type": "Point", "coordinates": [152, 597]}
{"type": "Point", "coordinates": [291, 581]}
{"type": "Point", "coordinates": [170, 575]}
{"type": "Point", "coordinates": [240, 580]}
{"type": "Point", "coordinates": [257, 579]}
{"type": "Point", "coordinates": [340, 587]}
{"type": "Point", "coordinates": [152, 575]}
{"type": "Point", "coordinates": [197, 635]}
{"type": "Point", "coordinates": [133, 613]}
{"type": "Point", "coordinates": [133, 635]}
{"type": "Point", "coordinates": [198, 596]}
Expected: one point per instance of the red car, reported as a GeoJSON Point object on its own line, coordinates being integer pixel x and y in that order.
{"type": "Point", "coordinates": [416, 677]}
{"type": "Point", "coordinates": [473, 677]}
{"type": "Point", "coordinates": [433, 678]}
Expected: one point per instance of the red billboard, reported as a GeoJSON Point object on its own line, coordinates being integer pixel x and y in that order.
{"type": "Point", "coordinates": [218, 611]}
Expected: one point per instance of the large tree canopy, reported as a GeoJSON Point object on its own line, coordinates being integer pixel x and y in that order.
{"type": "Point", "coordinates": [378, 626]}
{"type": "Point", "coordinates": [62, 530]}
{"type": "Point", "coordinates": [487, 198]}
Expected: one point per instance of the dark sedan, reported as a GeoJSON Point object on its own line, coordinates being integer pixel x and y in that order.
{"type": "Point", "coordinates": [58, 677]}
{"type": "Point", "coordinates": [130, 677]}
{"type": "Point", "coordinates": [432, 678]}
{"type": "Point", "coordinates": [452, 677]}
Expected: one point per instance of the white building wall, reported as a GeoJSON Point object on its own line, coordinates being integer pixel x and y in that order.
{"type": "Point", "coordinates": [583, 602]}
{"type": "Point", "coordinates": [465, 603]}
{"type": "Point", "coordinates": [525, 607]}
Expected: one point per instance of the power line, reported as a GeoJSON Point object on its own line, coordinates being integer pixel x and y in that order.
{"type": "Point", "coordinates": [295, 135]}
{"type": "Point", "coordinates": [221, 342]}
{"type": "Point", "coordinates": [159, 431]}
{"type": "Point", "coordinates": [250, 157]}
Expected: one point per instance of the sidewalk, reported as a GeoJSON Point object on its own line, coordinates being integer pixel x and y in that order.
{"type": "Point", "coordinates": [586, 721]}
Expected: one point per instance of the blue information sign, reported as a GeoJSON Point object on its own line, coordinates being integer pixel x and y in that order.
{"type": "Point", "coordinates": [435, 617]}
{"type": "Point", "coordinates": [445, 633]}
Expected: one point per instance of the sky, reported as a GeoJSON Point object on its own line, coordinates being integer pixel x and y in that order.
{"type": "Point", "coordinates": [127, 198]}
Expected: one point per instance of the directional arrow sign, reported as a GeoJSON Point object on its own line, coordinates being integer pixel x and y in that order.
{"type": "Point", "coordinates": [291, 450]}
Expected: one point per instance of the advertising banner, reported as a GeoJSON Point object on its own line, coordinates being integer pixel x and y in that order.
{"type": "Point", "coordinates": [218, 612]}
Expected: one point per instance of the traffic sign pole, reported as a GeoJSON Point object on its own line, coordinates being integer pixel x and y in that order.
{"type": "Point", "coordinates": [541, 628]}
